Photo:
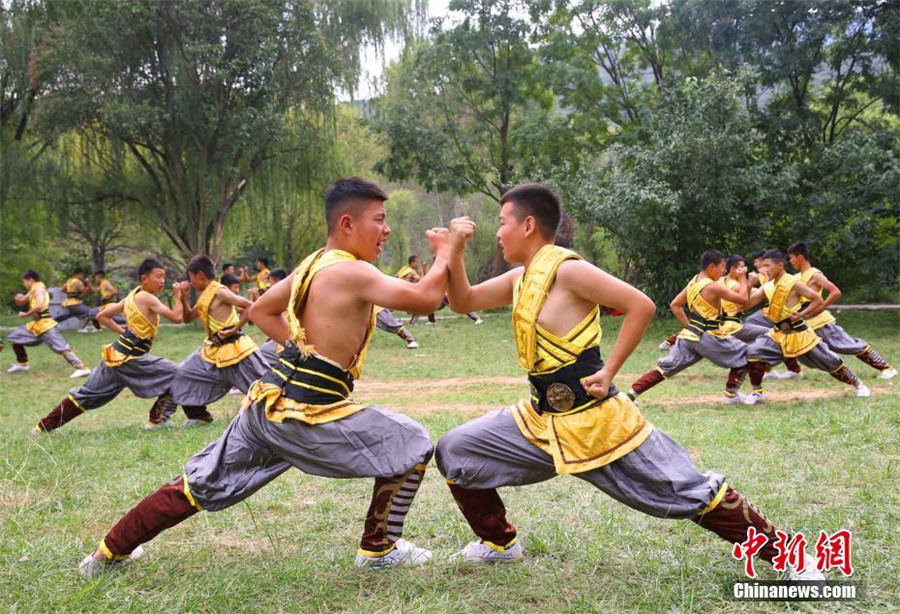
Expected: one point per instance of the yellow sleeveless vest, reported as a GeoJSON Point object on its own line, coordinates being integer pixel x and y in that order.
{"type": "Point", "coordinates": [277, 406]}
{"type": "Point", "coordinates": [825, 317]}
{"type": "Point", "coordinates": [732, 313]}
{"type": "Point", "coordinates": [406, 270]}
{"type": "Point", "coordinates": [107, 292]}
{"type": "Point", "coordinates": [229, 353]}
{"type": "Point", "coordinates": [137, 323]}
{"type": "Point", "coordinates": [698, 305]}
{"type": "Point", "coordinates": [579, 441]}
{"type": "Point", "coordinates": [42, 321]}
{"type": "Point", "coordinates": [262, 279]}
{"type": "Point", "coordinates": [792, 343]}
{"type": "Point", "coordinates": [72, 299]}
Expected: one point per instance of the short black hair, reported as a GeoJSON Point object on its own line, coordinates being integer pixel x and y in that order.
{"type": "Point", "coordinates": [799, 249]}
{"type": "Point", "coordinates": [226, 265]}
{"type": "Point", "coordinates": [757, 255]}
{"type": "Point", "coordinates": [100, 272]}
{"type": "Point", "coordinates": [710, 257]}
{"type": "Point", "coordinates": [411, 258]}
{"type": "Point", "coordinates": [202, 264]}
{"type": "Point", "coordinates": [733, 260]}
{"type": "Point", "coordinates": [344, 193]}
{"type": "Point", "coordinates": [538, 201]}
{"type": "Point", "coordinates": [775, 255]}
{"type": "Point", "coordinates": [264, 260]}
{"type": "Point", "coordinates": [278, 274]}
{"type": "Point", "coordinates": [148, 265]}
{"type": "Point", "coordinates": [31, 274]}
{"type": "Point", "coordinates": [230, 280]}
{"type": "Point", "coordinates": [77, 271]}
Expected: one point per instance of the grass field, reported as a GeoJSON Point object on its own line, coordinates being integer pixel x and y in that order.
{"type": "Point", "coordinates": [815, 457]}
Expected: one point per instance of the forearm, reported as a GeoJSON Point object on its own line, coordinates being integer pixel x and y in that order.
{"type": "Point", "coordinates": [459, 290]}
{"type": "Point", "coordinates": [434, 284]}
{"type": "Point", "coordinates": [273, 326]}
{"type": "Point", "coordinates": [109, 323]}
{"type": "Point", "coordinates": [814, 307]}
{"type": "Point", "coordinates": [633, 328]}
{"type": "Point", "coordinates": [678, 312]}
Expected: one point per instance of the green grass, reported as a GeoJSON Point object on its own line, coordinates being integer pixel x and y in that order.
{"type": "Point", "coordinates": [824, 460]}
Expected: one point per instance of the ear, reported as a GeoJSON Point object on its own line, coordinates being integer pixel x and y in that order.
{"type": "Point", "coordinates": [345, 223]}
{"type": "Point", "coordinates": [530, 225]}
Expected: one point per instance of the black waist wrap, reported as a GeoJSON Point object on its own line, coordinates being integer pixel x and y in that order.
{"type": "Point", "coordinates": [788, 325]}
{"type": "Point", "coordinates": [698, 325]}
{"type": "Point", "coordinates": [216, 341]}
{"type": "Point", "coordinates": [561, 391]}
{"type": "Point", "coordinates": [308, 379]}
{"type": "Point", "coordinates": [729, 318]}
{"type": "Point", "coordinates": [131, 345]}
{"type": "Point", "coordinates": [42, 314]}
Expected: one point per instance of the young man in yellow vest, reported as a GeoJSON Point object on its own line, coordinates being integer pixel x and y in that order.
{"type": "Point", "coordinates": [75, 288]}
{"type": "Point", "coordinates": [824, 324]}
{"type": "Point", "coordinates": [791, 302]}
{"type": "Point", "coordinates": [127, 362]}
{"type": "Point", "coordinates": [261, 279]}
{"type": "Point", "coordinates": [576, 421]}
{"type": "Point", "coordinates": [228, 358]}
{"type": "Point", "coordinates": [43, 329]}
{"type": "Point", "coordinates": [109, 295]}
{"type": "Point", "coordinates": [704, 335]}
{"type": "Point", "coordinates": [300, 413]}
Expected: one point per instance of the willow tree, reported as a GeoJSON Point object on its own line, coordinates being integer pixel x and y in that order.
{"type": "Point", "coordinates": [197, 91]}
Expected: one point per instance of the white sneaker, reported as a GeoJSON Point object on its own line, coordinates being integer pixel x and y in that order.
{"type": "Point", "coordinates": [790, 375]}
{"type": "Point", "coordinates": [809, 574]}
{"type": "Point", "coordinates": [91, 567]}
{"type": "Point", "coordinates": [888, 374]}
{"type": "Point", "coordinates": [35, 431]}
{"type": "Point", "coordinates": [863, 391]}
{"type": "Point", "coordinates": [83, 372]}
{"type": "Point", "coordinates": [403, 553]}
{"type": "Point", "coordinates": [481, 551]}
{"type": "Point", "coordinates": [478, 321]}
{"type": "Point", "coordinates": [235, 392]}
{"type": "Point", "coordinates": [773, 374]}
{"type": "Point", "coordinates": [664, 346]}
{"type": "Point", "coordinates": [155, 426]}
{"type": "Point", "coordinates": [83, 331]}
{"type": "Point", "coordinates": [735, 400]}
{"type": "Point", "coordinates": [412, 345]}
{"type": "Point", "coordinates": [757, 397]}
{"type": "Point", "coordinates": [17, 367]}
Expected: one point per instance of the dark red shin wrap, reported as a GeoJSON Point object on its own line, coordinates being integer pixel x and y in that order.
{"type": "Point", "coordinates": [21, 354]}
{"type": "Point", "coordinates": [391, 499]}
{"type": "Point", "coordinates": [197, 412]}
{"type": "Point", "coordinates": [162, 510]}
{"type": "Point", "coordinates": [59, 415]}
{"type": "Point", "coordinates": [671, 339]}
{"type": "Point", "coordinates": [845, 375]}
{"type": "Point", "coordinates": [162, 409]}
{"type": "Point", "coordinates": [647, 381]}
{"type": "Point", "coordinates": [792, 365]}
{"type": "Point", "coordinates": [757, 370]}
{"type": "Point", "coordinates": [731, 518]}
{"type": "Point", "coordinates": [485, 513]}
{"type": "Point", "coordinates": [736, 378]}
{"type": "Point", "coordinates": [874, 359]}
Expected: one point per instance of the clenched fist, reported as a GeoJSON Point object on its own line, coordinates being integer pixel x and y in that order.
{"type": "Point", "coordinates": [461, 230]}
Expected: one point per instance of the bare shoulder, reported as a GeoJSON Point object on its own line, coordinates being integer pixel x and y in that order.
{"type": "Point", "coordinates": [577, 272]}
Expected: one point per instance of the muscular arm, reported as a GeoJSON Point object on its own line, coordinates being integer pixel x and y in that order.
{"type": "Point", "coordinates": [756, 297]}
{"type": "Point", "coordinates": [738, 297]}
{"type": "Point", "coordinates": [596, 286]}
{"type": "Point", "coordinates": [173, 314]}
{"type": "Point", "coordinates": [677, 307]}
{"type": "Point", "coordinates": [815, 301]}
{"type": "Point", "coordinates": [833, 292]}
{"type": "Point", "coordinates": [38, 301]}
{"type": "Point", "coordinates": [243, 305]}
{"type": "Point", "coordinates": [105, 317]}
{"type": "Point", "coordinates": [188, 313]}
{"type": "Point", "coordinates": [379, 289]}
{"type": "Point", "coordinates": [464, 298]}
{"type": "Point", "coordinates": [268, 312]}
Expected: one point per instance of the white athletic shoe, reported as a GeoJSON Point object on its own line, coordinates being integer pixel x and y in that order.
{"type": "Point", "coordinates": [664, 346]}
{"type": "Point", "coordinates": [478, 321]}
{"type": "Point", "coordinates": [863, 391]}
{"type": "Point", "coordinates": [404, 553]}
{"type": "Point", "coordinates": [412, 345]}
{"type": "Point", "coordinates": [190, 422]}
{"type": "Point", "coordinates": [35, 432]}
{"type": "Point", "coordinates": [735, 400]}
{"type": "Point", "coordinates": [235, 392]}
{"type": "Point", "coordinates": [790, 375]}
{"type": "Point", "coordinates": [809, 574]}
{"type": "Point", "coordinates": [757, 397]}
{"type": "Point", "coordinates": [17, 367]}
{"type": "Point", "coordinates": [888, 374]}
{"type": "Point", "coordinates": [155, 426]}
{"type": "Point", "coordinates": [91, 567]}
{"type": "Point", "coordinates": [773, 374]}
{"type": "Point", "coordinates": [481, 551]}
{"type": "Point", "coordinates": [83, 331]}
{"type": "Point", "coordinates": [82, 372]}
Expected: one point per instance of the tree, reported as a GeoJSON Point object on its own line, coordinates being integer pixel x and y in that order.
{"type": "Point", "coordinates": [197, 91]}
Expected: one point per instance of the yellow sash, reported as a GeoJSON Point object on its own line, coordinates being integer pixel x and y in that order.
{"type": "Point", "coordinates": [137, 323]}
{"type": "Point", "coordinates": [39, 325]}
{"type": "Point", "coordinates": [792, 344]}
{"type": "Point", "coordinates": [825, 317]}
{"type": "Point", "coordinates": [588, 439]}
{"type": "Point", "coordinates": [230, 353]}
{"type": "Point", "coordinates": [70, 301]}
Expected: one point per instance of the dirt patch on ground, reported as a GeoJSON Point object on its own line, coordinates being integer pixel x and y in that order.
{"type": "Point", "coordinates": [418, 385]}
{"type": "Point", "coordinates": [772, 396]}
